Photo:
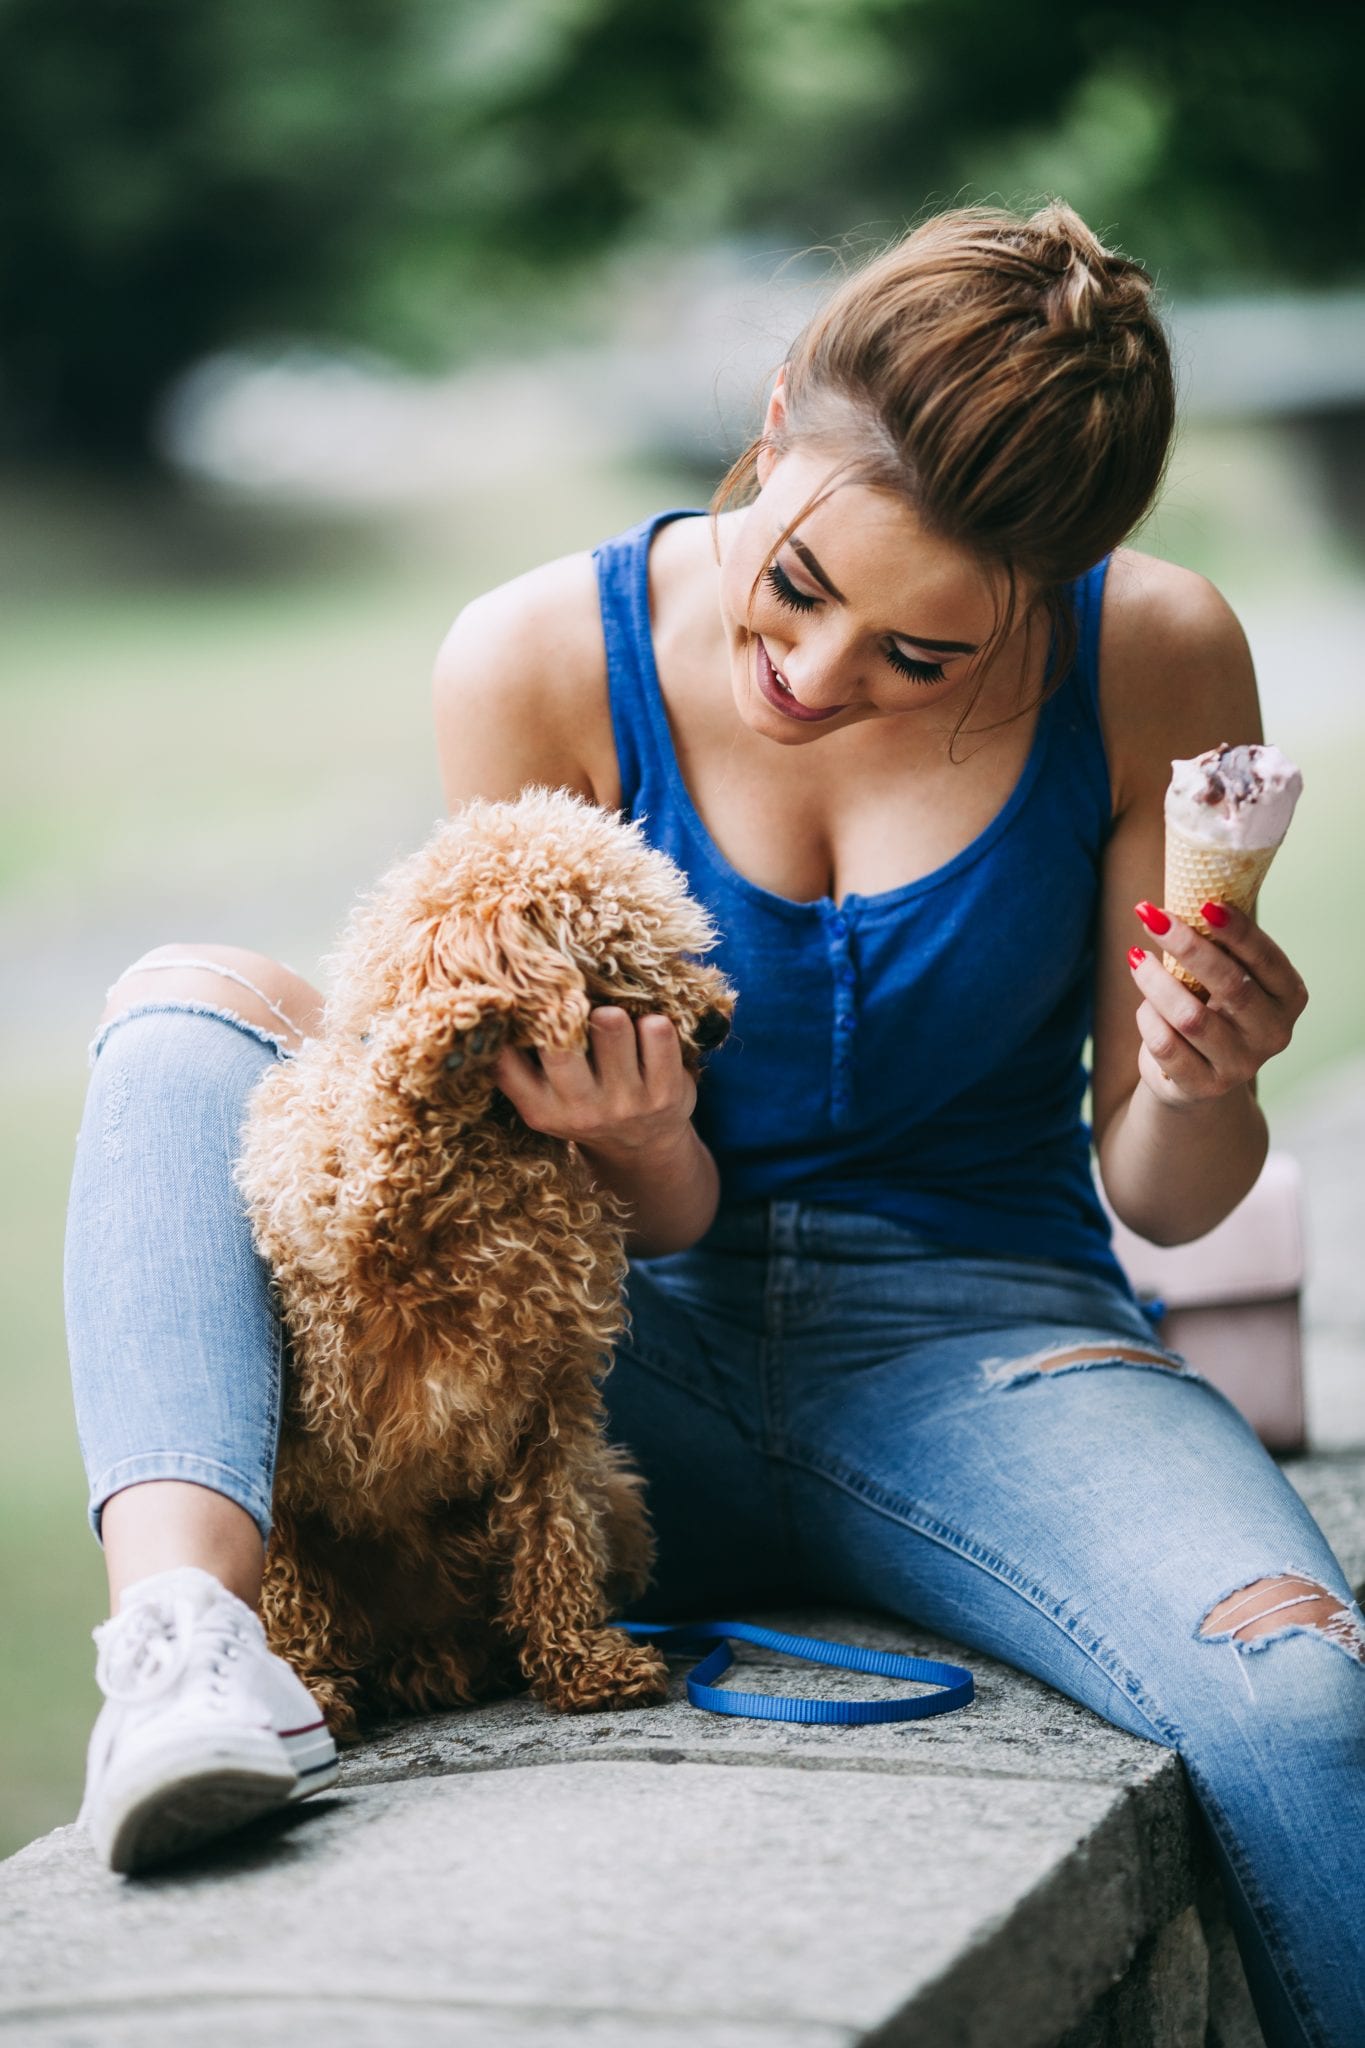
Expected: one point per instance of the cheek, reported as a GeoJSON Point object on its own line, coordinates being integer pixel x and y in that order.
{"type": "Point", "coordinates": [737, 607]}
{"type": "Point", "coordinates": [746, 602]}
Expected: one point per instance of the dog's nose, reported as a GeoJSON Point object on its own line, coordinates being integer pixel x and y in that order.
{"type": "Point", "coordinates": [712, 1028]}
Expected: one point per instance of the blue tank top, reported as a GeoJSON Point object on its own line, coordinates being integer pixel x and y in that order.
{"type": "Point", "coordinates": [917, 1054]}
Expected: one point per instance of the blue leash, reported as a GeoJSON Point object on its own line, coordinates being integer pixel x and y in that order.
{"type": "Point", "coordinates": [702, 1690]}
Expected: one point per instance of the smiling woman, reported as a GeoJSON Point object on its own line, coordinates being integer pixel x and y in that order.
{"type": "Point", "coordinates": [818, 647]}
{"type": "Point", "coordinates": [901, 709]}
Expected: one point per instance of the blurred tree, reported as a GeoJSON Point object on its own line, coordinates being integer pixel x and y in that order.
{"type": "Point", "coordinates": [177, 178]}
{"type": "Point", "coordinates": [1218, 138]}
{"type": "Point", "coordinates": [171, 177]}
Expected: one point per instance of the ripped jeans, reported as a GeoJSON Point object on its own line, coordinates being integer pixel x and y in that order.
{"type": "Point", "coordinates": [828, 1407]}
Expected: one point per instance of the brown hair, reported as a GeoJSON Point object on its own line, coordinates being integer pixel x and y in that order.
{"type": "Point", "coordinates": [1009, 377]}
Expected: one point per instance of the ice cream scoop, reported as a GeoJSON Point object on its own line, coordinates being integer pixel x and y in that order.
{"type": "Point", "coordinates": [1226, 812]}
{"type": "Point", "coordinates": [1234, 796]}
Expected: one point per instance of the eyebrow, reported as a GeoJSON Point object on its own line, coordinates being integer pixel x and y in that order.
{"type": "Point", "coordinates": [799, 548]}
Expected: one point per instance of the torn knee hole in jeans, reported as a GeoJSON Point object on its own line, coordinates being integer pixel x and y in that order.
{"type": "Point", "coordinates": [1077, 1358]}
{"type": "Point", "coordinates": [150, 966]}
{"type": "Point", "coordinates": [1289, 1603]}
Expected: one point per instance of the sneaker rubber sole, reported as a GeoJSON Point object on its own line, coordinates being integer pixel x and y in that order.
{"type": "Point", "coordinates": [155, 1812]}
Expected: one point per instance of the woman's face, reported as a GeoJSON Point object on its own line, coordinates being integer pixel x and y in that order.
{"type": "Point", "coordinates": [861, 615]}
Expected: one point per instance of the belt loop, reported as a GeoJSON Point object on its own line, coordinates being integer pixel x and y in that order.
{"type": "Point", "coordinates": [783, 1226]}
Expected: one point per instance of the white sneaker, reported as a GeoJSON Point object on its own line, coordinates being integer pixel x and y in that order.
{"type": "Point", "coordinates": [202, 1727]}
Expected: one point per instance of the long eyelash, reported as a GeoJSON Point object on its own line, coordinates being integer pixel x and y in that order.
{"type": "Point", "coordinates": [786, 592]}
{"type": "Point", "coordinates": [918, 671]}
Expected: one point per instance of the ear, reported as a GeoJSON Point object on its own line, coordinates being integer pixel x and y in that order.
{"type": "Point", "coordinates": [479, 979]}
{"type": "Point", "coordinates": [533, 982]}
{"type": "Point", "coordinates": [441, 1046]}
{"type": "Point", "coordinates": [774, 429]}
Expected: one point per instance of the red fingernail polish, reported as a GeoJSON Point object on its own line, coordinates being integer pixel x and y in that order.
{"type": "Point", "coordinates": [1214, 914]}
{"type": "Point", "coordinates": [1154, 919]}
{"type": "Point", "coordinates": [1136, 956]}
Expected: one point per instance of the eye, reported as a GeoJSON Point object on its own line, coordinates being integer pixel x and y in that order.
{"type": "Point", "coordinates": [918, 671]}
{"type": "Point", "coordinates": [786, 592]}
{"type": "Point", "coordinates": [794, 600]}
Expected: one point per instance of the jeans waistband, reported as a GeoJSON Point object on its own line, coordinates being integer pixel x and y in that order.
{"type": "Point", "coordinates": [815, 1230]}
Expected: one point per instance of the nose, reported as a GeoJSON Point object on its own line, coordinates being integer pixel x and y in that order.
{"type": "Point", "coordinates": [817, 674]}
{"type": "Point", "coordinates": [712, 1029]}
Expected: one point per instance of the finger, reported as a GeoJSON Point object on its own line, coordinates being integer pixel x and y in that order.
{"type": "Point", "coordinates": [615, 1056]}
{"type": "Point", "coordinates": [1205, 962]}
{"type": "Point", "coordinates": [661, 1059]}
{"type": "Point", "coordinates": [1258, 955]}
{"type": "Point", "coordinates": [1175, 1026]}
{"type": "Point", "coordinates": [1165, 1056]}
{"type": "Point", "coordinates": [1231, 991]}
{"type": "Point", "coordinates": [660, 1047]}
{"type": "Point", "coordinates": [1166, 1084]}
{"type": "Point", "coordinates": [568, 1074]}
{"type": "Point", "coordinates": [521, 1082]}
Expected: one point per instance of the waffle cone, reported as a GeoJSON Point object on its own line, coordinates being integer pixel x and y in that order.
{"type": "Point", "coordinates": [1197, 873]}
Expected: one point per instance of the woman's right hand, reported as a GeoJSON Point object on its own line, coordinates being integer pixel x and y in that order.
{"type": "Point", "coordinates": [628, 1096]}
{"type": "Point", "coordinates": [627, 1104]}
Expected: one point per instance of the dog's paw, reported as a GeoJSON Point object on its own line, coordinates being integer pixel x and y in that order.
{"type": "Point", "coordinates": [634, 1675]}
{"type": "Point", "coordinates": [482, 1042]}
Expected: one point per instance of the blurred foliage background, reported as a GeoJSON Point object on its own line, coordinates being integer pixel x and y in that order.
{"type": "Point", "coordinates": [317, 320]}
{"type": "Point", "coordinates": [410, 174]}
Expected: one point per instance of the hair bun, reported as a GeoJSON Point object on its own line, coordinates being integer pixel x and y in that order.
{"type": "Point", "coordinates": [1008, 377]}
{"type": "Point", "coordinates": [1093, 287]}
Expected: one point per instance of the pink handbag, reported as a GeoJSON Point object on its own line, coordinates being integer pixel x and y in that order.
{"type": "Point", "coordinates": [1233, 1301]}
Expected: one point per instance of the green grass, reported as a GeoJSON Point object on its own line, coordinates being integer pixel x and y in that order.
{"type": "Point", "coordinates": [219, 718]}
{"type": "Point", "coordinates": [51, 1575]}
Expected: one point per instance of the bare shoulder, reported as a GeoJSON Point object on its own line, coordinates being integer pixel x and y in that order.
{"type": "Point", "coordinates": [520, 689]}
{"type": "Point", "coordinates": [1176, 674]}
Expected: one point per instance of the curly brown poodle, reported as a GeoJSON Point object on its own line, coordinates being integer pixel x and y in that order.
{"type": "Point", "coordinates": [449, 1520]}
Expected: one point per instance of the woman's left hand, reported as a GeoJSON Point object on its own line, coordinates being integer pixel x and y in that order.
{"type": "Point", "coordinates": [1191, 1051]}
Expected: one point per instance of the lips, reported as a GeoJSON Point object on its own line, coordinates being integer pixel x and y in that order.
{"type": "Point", "coordinates": [781, 698]}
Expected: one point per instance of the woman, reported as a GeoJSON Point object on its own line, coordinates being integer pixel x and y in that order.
{"type": "Point", "coordinates": [904, 711]}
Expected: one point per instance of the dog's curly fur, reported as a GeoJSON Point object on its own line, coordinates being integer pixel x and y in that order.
{"type": "Point", "coordinates": [449, 1521]}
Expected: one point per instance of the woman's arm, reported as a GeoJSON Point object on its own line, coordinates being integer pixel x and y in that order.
{"type": "Point", "coordinates": [1177, 1127]}
{"type": "Point", "coordinates": [520, 696]}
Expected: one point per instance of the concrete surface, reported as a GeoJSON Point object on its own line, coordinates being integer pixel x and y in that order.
{"type": "Point", "coordinates": [992, 1879]}
{"type": "Point", "coordinates": [1021, 1875]}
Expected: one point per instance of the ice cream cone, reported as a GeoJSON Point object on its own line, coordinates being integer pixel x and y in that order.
{"type": "Point", "coordinates": [1200, 872]}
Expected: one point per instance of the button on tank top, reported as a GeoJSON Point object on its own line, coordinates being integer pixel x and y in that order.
{"type": "Point", "coordinates": [917, 1054]}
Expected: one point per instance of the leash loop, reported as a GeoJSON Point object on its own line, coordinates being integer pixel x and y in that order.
{"type": "Point", "coordinates": [702, 1690]}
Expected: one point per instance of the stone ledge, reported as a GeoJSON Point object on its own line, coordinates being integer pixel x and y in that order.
{"type": "Point", "coordinates": [1020, 1876]}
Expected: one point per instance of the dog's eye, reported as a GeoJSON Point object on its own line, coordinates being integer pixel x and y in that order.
{"type": "Point", "coordinates": [711, 1029]}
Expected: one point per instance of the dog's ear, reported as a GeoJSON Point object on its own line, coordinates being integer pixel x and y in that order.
{"type": "Point", "coordinates": [483, 981]}
{"type": "Point", "coordinates": [521, 954]}
{"type": "Point", "coordinates": [441, 1046]}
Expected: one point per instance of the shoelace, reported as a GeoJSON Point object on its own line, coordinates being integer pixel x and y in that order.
{"type": "Point", "coordinates": [144, 1654]}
